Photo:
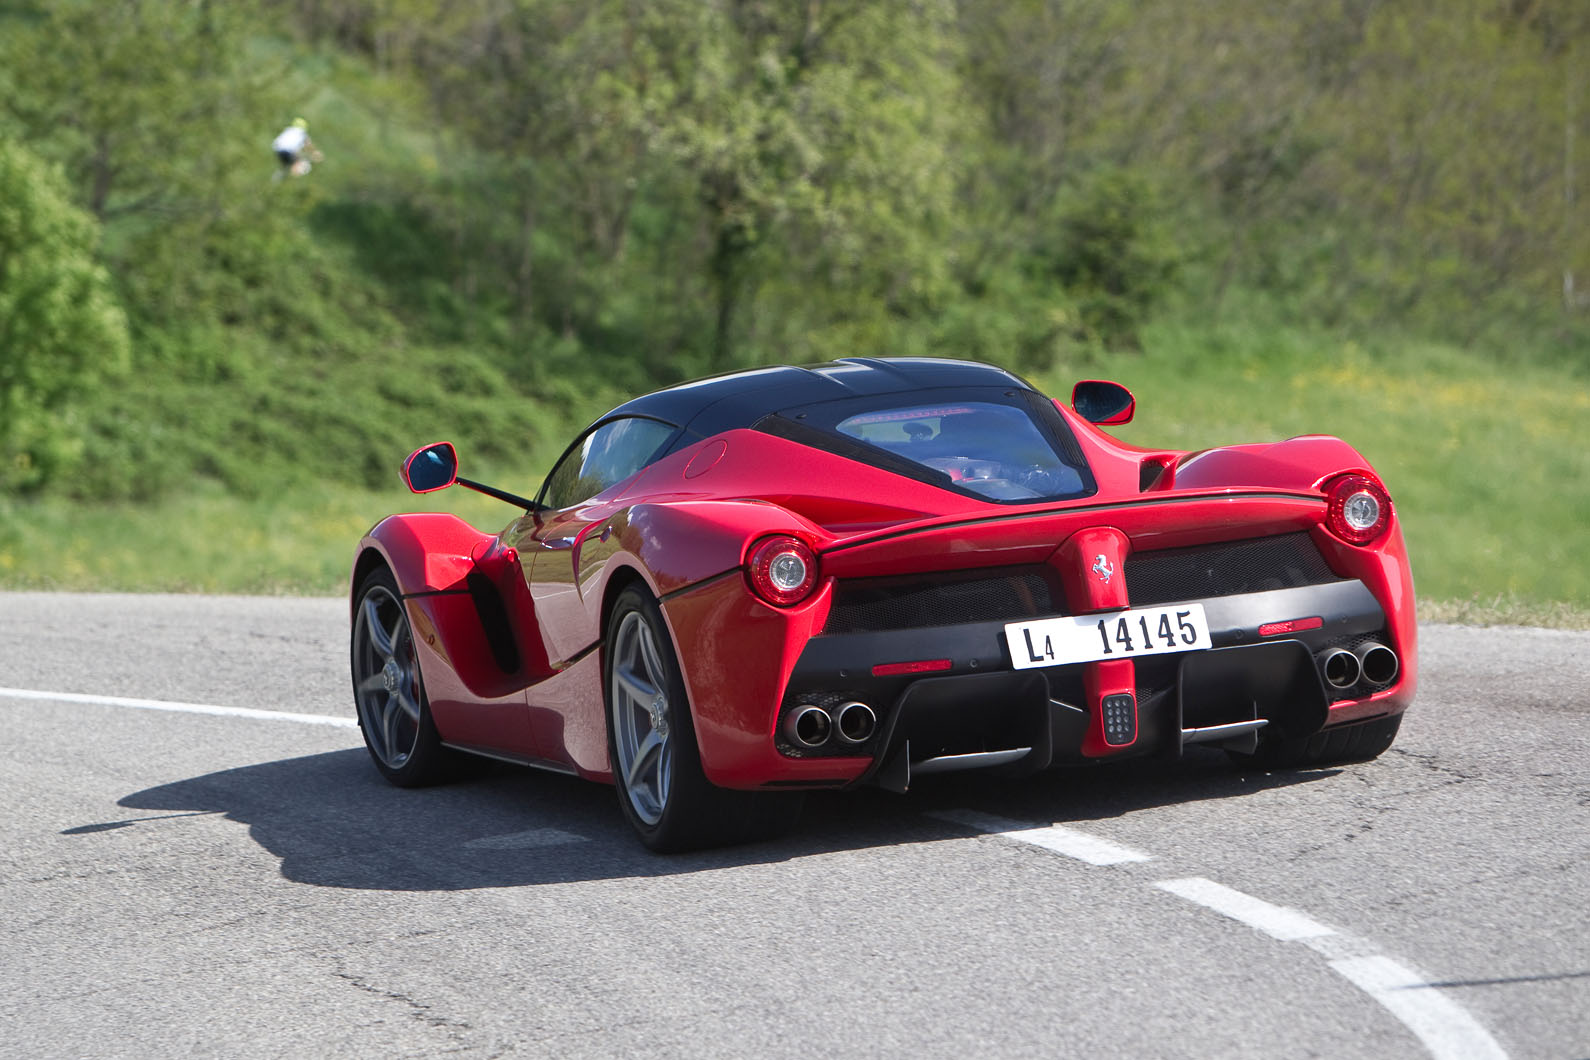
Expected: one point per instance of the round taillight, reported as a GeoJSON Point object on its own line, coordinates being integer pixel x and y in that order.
{"type": "Point", "coordinates": [1358, 509]}
{"type": "Point", "coordinates": [782, 570]}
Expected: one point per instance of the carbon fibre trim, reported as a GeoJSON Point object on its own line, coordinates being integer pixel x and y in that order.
{"type": "Point", "coordinates": [943, 599]}
{"type": "Point", "coordinates": [693, 586]}
{"type": "Point", "coordinates": [1227, 568]}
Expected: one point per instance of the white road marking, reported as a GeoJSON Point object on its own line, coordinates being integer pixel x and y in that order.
{"type": "Point", "coordinates": [1278, 922]}
{"type": "Point", "coordinates": [1061, 840]}
{"type": "Point", "coordinates": [530, 840]}
{"type": "Point", "coordinates": [181, 708]}
{"type": "Point", "coordinates": [1445, 1028]}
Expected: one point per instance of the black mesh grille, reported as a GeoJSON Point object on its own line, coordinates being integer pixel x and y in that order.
{"type": "Point", "coordinates": [1285, 561]}
{"type": "Point", "coordinates": [1364, 687]}
{"type": "Point", "coordinates": [945, 599]}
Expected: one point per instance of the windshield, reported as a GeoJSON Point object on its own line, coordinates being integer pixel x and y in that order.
{"type": "Point", "coordinates": [999, 448]}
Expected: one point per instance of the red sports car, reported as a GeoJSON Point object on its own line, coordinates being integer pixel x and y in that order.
{"type": "Point", "coordinates": [737, 589]}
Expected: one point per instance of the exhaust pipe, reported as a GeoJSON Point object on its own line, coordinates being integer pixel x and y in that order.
{"type": "Point", "coordinates": [1379, 663]}
{"type": "Point", "coordinates": [1340, 667]}
{"type": "Point", "coordinates": [808, 726]}
{"type": "Point", "coordinates": [856, 722]}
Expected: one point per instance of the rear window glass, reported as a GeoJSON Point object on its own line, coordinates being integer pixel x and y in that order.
{"type": "Point", "coordinates": [1000, 450]}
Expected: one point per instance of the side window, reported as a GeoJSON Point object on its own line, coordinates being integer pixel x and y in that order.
{"type": "Point", "coordinates": [607, 455]}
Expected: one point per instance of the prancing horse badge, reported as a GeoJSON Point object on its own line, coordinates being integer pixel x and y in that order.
{"type": "Point", "coordinates": [1102, 568]}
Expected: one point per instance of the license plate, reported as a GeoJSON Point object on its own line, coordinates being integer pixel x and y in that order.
{"type": "Point", "coordinates": [1117, 635]}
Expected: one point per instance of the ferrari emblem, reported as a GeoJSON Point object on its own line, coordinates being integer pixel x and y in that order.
{"type": "Point", "coordinates": [1102, 568]}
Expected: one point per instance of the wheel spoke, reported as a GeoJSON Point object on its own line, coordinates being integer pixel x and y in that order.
{"type": "Point", "coordinates": [380, 639]}
{"type": "Point", "coordinates": [648, 760]}
{"type": "Point", "coordinates": [376, 682]}
{"type": "Point", "coordinates": [640, 691]}
{"type": "Point", "coordinates": [408, 704]}
{"type": "Point", "coordinates": [648, 651]}
{"type": "Point", "coordinates": [389, 724]}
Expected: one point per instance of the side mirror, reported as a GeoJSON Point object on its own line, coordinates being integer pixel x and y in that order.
{"type": "Point", "coordinates": [432, 468]}
{"type": "Point", "coordinates": [1102, 402]}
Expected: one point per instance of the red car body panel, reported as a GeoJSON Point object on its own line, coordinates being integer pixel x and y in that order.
{"type": "Point", "coordinates": [509, 627]}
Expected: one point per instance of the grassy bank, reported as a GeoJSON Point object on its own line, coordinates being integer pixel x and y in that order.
{"type": "Point", "coordinates": [1484, 461]}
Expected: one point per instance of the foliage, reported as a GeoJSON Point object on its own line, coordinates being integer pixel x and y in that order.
{"type": "Point", "coordinates": [1487, 496]}
{"type": "Point", "coordinates": [530, 208]}
{"type": "Point", "coordinates": [1103, 244]}
{"type": "Point", "coordinates": [61, 329]}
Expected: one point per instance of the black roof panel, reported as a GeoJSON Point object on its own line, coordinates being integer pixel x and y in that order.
{"type": "Point", "coordinates": [739, 399]}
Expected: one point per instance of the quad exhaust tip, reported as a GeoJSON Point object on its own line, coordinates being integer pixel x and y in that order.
{"type": "Point", "coordinates": [808, 726]}
{"type": "Point", "coordinates": [1378, 662]}
{"type": "Point", "coordinates": [1340, 667]}
{"type": "Point", "coordinates": [1371, 661]}
{"type": "Point", "coordinates": [855, 722]}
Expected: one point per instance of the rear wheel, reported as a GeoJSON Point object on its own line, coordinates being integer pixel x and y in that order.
{"type": "Point", "coordinates": [1349, 743]}
{"type": "Point", "coordinates": [652, 748]}
{"type": "Point", "coordinates": [394, 714]}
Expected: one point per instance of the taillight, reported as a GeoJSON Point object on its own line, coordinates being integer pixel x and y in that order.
{"type": "Point", "coordinates": [1358, 508]}
{"type": "Point", "coordinates": [782, 570]}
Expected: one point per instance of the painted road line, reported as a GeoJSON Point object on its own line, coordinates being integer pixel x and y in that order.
{"type": "Point", "coordinates": [1447, 1031]}
{"type": "Point", "coordinates": [1276, 921]}
{"type": "Point", "coordinates": [1445, 1028]}
{"type": "Point", "coordinates": [181, 708]}
{"type": "Point", "coordinates": [1056, 838]}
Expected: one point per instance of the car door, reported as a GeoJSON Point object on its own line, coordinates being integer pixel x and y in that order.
{"type": "Point", "coordinates": [562, 552]}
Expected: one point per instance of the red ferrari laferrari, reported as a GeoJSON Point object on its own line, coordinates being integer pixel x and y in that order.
{"type": "Point", "coordinates": [738, 589]}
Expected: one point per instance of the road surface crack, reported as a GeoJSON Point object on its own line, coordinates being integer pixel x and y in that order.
{"type": "Point", "coordinates": [1433, 764]}
{"type": "Point", "coordinates": [418, 1010]}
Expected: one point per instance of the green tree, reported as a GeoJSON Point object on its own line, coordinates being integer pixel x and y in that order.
{"type": "Point", "coordinates": [61, 329]}
{"type": "Point", "coordinates": [128, 96]}
{"type": "Point", "coordinates": [1108, 249]}
{"type": "Point", "coordinates": [822, 140]}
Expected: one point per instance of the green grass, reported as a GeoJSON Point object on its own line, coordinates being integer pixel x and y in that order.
{"type": "Point", "coordinates": [1485, 462]}
{"type": "Point", "coordinates": [208, 541]}
{"type": "Point", "coordinates": [1505, 611]}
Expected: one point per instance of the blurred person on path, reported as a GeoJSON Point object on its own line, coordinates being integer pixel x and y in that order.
{"type": "Point", "coordinates": [294, 149]}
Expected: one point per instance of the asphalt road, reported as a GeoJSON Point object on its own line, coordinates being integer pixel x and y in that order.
{"type": "Point", "coordinates": [175, 882]}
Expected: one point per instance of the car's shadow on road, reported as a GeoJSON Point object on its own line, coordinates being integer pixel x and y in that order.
{"type": "Point", "coordinates": [334, 822]}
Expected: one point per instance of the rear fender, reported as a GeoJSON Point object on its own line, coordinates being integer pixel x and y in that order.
{"type": "Point", "coordinates": [1301, 463]}
{"type": "Point", "coordinates": [1307, 463]}
{"type": "Point", "coordinates": [737, 654]}
{"type": "Point", "coordinates": [683, 543]}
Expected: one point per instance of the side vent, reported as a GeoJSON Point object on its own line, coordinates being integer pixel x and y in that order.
{"type": "Point", "coordinates": [494, 621]}
{"type": "Point", "coordinates": [1149, 473]}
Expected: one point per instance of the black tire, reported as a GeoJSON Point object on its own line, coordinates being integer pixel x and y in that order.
{"type": "Point", "coordinates": [1349, 743]}
{"type": "Point", "coordinates": [652, 749]}
{"type": "Point", "coordinates": [388, 692]}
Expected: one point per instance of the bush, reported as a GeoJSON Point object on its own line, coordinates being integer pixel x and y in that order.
{"type": "Point", "coordinates": [1105, 242]}
{"type": "Point", "coordinates": [61, 329]}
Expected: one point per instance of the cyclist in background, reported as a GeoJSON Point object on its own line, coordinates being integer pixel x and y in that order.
{"type": "Point", "coordinates": [294, 149]}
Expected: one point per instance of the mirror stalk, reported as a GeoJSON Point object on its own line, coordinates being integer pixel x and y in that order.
{"type": "Point", "coordinates": [501, 495]}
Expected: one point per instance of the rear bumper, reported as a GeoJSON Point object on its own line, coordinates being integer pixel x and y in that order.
{"type": "Point", "coordinates": [979, 712]}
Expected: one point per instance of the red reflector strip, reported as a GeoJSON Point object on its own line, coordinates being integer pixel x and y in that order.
{"type": "Point", "coordinates": [923, 667]}
{"type": "Point", "coordinates": [1297, 625]}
